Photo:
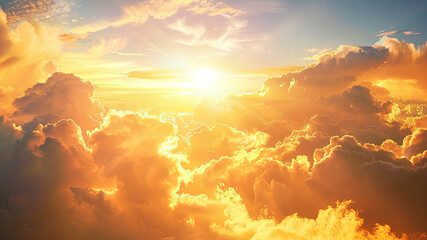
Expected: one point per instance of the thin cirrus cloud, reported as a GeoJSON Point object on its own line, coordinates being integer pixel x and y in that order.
{"type": "Point", "coordinates": [395, 32]}
{"type": "Point", "coordinates": [228, 36]}
{"type": "Point", "coordinates": [139, 13]}
{"type": "Point", "coordinates": [155, 74]}
{"type": "Point", "coordinates": [216, 15]}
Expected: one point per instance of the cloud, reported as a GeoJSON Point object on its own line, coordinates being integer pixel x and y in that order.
{"type": "Point", "coordinates": [58, 178]}
{"type": "Point", "coordinates": [219, 141]}
{"type": "Point", "coordinates": [224, 33]}
{"type": "Point", "coordinates": [63, 96]}
{"type": "Point", "coordinates": [355, 111]}
{"type": "Point", "coordinates": [318, 53]}
{"type": "Point", "coordinates": [18, 10]}
{"type": "Point", "coordinates": [395, 32]}
{"type": "Point", "coordinates": [276, 71]}
{"type": "Point", "coordinates": [339, 222]}
{"type": "Point", "coordinates": [347, 85]}
{"type": "Point", "coordinates": [405, 62]}
{"type": "Point", "coordinates": [320, 151]}
{"type": "Point", "coordinates": [317, 50]}
{"type": "Point", "coordinates": [104, 45]}
{"type": "Point", "coordinates": [369, 174]}
{"type": "Point", "coordinates": [330, 139]}
{"type": "Point", "coordinates": [43, 165]}
{"type": "Point", "coordinates": [213, 8]}
{"type": "Point", "coordinates": [25, 52]}
{"type": "Point", "coordinates": [128, 53]}
{"type": "Point", "coordinates": [154, 74]}
{"type": "Point", "coordinates": [200, 23]}
{"type": "Point", "coordinates": [343, 169]}
{"type": "Point", "coordinates": [68, 37]}
{"type": "Point", "coordinates": [348, 65]}
{"type": "Point", "coordinates": [411, 32]}
{"type": "Point", "coordinates": [139, 12]}
{"type": "Point", "coordinates": [333, 72]}
{"type": "Point", "coordinates": [56, 185]}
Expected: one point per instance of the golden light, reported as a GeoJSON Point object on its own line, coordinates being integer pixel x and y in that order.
{"type": "Point", "coordinates": [106, 191]}
{"type": "Point", "coordinates": [203, 78]}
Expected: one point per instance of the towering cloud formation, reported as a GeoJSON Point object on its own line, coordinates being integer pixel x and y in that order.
{"type": "Point", "coordinates": [25, 50]}
{"type": "Point", "coordinates": [323, 153]}
{"type": "Point", "coordinates": [63, 96]}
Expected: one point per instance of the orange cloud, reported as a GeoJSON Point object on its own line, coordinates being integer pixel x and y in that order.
{"type": "Point", "coordinates": [68, 37]}
{"type": "Point", "coordinates": [132, 167]}
{"type": "Point", "coordinates": [154, 74]}
{"type": "Point", "coordinates": [347, 134]}
{"type": "Point", "coordinates": [394, 32]}
{"type": "Point", "coordinates": [25, 52]}
{"type": "Point", "coordinates": [63, 96]}
{"type": "Point", "coordinates": [269, 164]}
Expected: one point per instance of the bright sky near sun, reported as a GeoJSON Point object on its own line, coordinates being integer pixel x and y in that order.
{"type": "Point", "coordinates": [121, 46]}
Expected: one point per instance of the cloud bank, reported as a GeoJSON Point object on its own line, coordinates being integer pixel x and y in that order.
{"type": "Point", "coordinates": [326, 152]}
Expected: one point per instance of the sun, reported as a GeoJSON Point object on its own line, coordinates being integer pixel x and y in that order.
{"type": "Point", "coordinates": [203, 78]}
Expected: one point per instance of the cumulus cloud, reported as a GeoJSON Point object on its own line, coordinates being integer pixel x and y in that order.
{"type": "Point", "coordinates": [55, 179]}
{"type": "Point", "coordinates": [375, 178]}
{"type": "Point", "coordinates": [63, 96]}
{"type": "Point", "coordinates": [349, 127]}
{"type": "Point", "coordinates": [38, 174]}
{"type": "Point", "coordinates": [333, 72]}
{"type": "Point", "coordinates": [25, 51]}
{"type": "Point", "coordinates": [349, 65]}
{"type": "Point", "coordinates": [351, 84]}
{"type": "Point", "coordinates": [317, 153]}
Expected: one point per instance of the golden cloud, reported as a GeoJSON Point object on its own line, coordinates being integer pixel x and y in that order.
{"type": "Point", "coordinates": [315, 153]}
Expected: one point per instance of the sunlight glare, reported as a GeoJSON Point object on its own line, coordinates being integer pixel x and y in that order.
{"type": "Point", "coordinates": [203, 78]}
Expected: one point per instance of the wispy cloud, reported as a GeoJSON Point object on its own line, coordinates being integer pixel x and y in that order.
{"type": "Point", "coordinates": [213, 8]}
{"type": "Point", "coordinates": [165, 74]}
{"type": "Point", "coordinates": [265, 6]}
{"type": "Point", "coordinates": [268, 72]}
{"type": "Point", "coordinates": [395, 32]}
{"type": "Point", "coordinates": [139, 12]}
{"type": "Point", "coordinates": [227, 37]}
{"type": "Point", "coordinates": [411, 33]}
{"type": "Point", "coordinates": [128, 53]}
{"type": "Point", "coordinates": [318, 52]}
{"type": "Point", "coordinates": [105, 45]}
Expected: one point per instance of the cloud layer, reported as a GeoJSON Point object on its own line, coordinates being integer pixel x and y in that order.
{"type": "Point", "coordinates": [326, 152]}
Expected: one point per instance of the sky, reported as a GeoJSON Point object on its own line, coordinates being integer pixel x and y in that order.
{"type": "Point", "coordinates": [130, 45]}
{"type": "Point", "coordinates": [209, 119]}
